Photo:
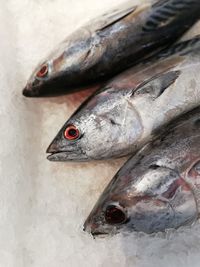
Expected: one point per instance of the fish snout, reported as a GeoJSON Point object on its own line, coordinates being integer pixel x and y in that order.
{"type": "Point", "coordinates": [58, 144]}
{"type": "Point", "coordinates": [26, 92]}
{"type": "Point", "coordinates": [93, 223]}
{"type": "Point", "coordinates": [89, 227]}
{"type": "Point", "coordinates": [30, 91]}
{"type": "Point", "coordinates": [61, 151]}
{"type": "Point", "coordinates": [53, 148]}
{"type": "Point", "coordinates": [104, 221]}
{"type": "Point", "coordinates": [94, 229]}
{"type": "Point", "coordinates": [57, 150]}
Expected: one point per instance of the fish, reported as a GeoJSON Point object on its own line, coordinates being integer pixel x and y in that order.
{"type": "Point", "coordinates": [101, 49]}
{"type": "Point", "coordinates": [158, 188]}
{"type": "Point", "coordinates": [121, 117]}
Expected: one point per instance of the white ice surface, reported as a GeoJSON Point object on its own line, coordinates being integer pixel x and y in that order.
{"type": "Point", "coordinates": [43, 204]}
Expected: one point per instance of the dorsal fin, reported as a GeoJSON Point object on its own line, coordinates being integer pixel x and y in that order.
{"type": "Point", "coordinates": [155, 86]}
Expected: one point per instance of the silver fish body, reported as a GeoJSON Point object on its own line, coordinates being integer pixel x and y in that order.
{"type": "Point", "coordinates": [120, 118]}
{"type": "Point", "coordinates": [117, 40]}
{"type": "Point", "coordinates": [158, 188]}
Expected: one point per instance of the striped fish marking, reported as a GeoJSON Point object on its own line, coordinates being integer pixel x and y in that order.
{"type": "Point", "coordinates": [165, 12]}
{"type": "Point", "coordinates": [182, 48]}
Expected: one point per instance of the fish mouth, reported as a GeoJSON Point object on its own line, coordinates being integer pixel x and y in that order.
{"type": "Point", "coordinates": [99, 234]}
{"type": "Point", "coordinates": [93, 230]}
{"type": "Point", "coordinates": [96, 230]}
{"type": "Point", "coordinates": [65, 153]}
{"type": "Point", "coordinates": [62, 156]}
{"type": "Point", "coordinates": [29, 91]}
{"type": "Point", "coordinates": [67, 156]}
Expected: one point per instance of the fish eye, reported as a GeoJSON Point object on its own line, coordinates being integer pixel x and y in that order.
{"type": "Point", "coordinates": [71, 133]}
{"type": "Point", "coordinates": [114, 215]}
{"type": "Point", "coordinates": [43, 71]}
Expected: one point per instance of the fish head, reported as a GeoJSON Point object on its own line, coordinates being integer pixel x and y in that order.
{"type": "Point", "coordinates": [59, 70]}
{"type": "Point", "coordinates": [69, 145]}
{"type": "Point", "coordinates": [100, 130]}
{"type": "Point", "coordinates": [150, 201]}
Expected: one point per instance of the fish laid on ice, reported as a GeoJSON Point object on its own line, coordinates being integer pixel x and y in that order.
{"type": "Point", "coordinates": [158, 188]}
{"type": "Point", "coordinates": [120, 118]}
{"type": "Point", "coordinates": [116, 41]}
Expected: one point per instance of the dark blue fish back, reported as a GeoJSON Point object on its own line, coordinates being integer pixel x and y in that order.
{"type": "Point", "coordinates": [164, 11]}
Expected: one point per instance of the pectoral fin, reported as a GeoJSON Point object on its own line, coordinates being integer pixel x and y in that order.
{"type": "Point", "coordinates": [155, 86]}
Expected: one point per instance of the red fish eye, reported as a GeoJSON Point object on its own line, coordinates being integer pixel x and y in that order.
{"type": "Point", "coordinates": [43, 71]}
{"type": "Point", "coordinates": [71, 132]}
{"type": "Point", "coordinates": [114, 215]}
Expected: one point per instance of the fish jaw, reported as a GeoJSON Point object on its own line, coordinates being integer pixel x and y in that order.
{"type": "Point", "coordinates": [96, 226]}
{"type": "Point", "coordinates": [96, 230]}
{"type": "Point", "coordinates": [67, 156]}
{"type": "Point", "coordinates": [65, 153]}
{"type": "Point", "coordinates": [27, 92]}
{"type": "Point", "coordinates": [30, 91]}
{"type": "Point", "coordinates": [42, 88]}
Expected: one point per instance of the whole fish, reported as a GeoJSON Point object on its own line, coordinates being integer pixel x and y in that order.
{"type": "Point", "coordinates": [120, 118]}
{"type": "Point", "coordinates": [111, 44]}
{"type": "Point", "coordinates": [158, 188]}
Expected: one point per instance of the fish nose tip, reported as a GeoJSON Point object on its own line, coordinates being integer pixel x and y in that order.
{"type": "Point", "coordinates": [26, 92]}
{"type": "Point", "coordinates": [30, 91]}
{"type": "Point", "coordinates": [87, 226]}
{"type": "Point", "coordinates": [52, 148]}
{"type": "Point", "coordinates": [84, 227]}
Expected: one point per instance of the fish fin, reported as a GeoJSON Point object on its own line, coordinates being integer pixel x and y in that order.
{"type": "Point", "coordinates": [114, 16]}
{"type": "Point", "coordinates": [155, 86]}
